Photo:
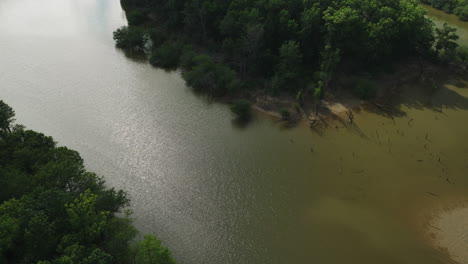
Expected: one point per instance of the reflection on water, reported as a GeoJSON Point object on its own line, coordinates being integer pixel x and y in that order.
{"type": "Point", "coordinates": [217, 192]}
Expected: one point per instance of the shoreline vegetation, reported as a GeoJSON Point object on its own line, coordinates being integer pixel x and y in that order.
{"type": "Point", "coordinates": [457, 7]}
{"type": "Point", "coordinates": [53, 211]}
{"type": "Point", "coordinates": [289, 58]}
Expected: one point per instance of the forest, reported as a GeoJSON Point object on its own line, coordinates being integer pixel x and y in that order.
{"type": "Point", "coordinates": [457, 7]}
{"type": "Point", "coordinates": [280, 46]}
{"type": "Point", "coordinates": [53, 211]}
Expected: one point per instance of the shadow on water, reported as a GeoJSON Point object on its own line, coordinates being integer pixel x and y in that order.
{"type": "Point", "coordinates": [138, 57]}
{"type": "Point", "coordinates": [241, 123]}
{"type": "Point", "coordinates": [329, 119]}
{"type": "Point", "coordinates": [434, 93]}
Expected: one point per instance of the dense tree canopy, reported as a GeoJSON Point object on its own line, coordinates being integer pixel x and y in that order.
{"type": "Point", "coordinates": [53, 211]}
{"type": "Point", "coordinates": [280, 45]}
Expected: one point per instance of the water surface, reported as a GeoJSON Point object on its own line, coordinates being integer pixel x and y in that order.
{"type": "Point", "coordinates": [216, 192]}
{"type": "Point", "coordinates": [440, 17]}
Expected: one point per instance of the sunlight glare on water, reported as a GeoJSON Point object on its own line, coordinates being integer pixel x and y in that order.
{"type": "Point", "coordinates": [215, 192]}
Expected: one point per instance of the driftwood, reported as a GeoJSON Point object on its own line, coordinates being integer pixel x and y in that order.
{"type": "Point", "coordinates": [350, 115]}
{"type": "Point", "coordinates": [313, 122]}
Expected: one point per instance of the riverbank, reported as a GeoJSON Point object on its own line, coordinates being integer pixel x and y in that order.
{"type": "Point", "coordinates": [266, 56]}
{"type": "Point", "coordinates": [424, 76]}
{"type": "Point", "coordinates": [214, 191]}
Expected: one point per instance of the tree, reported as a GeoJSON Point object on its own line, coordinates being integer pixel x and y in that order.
{"type": "Point", "coordinates": [53, 211]}
{"type": "Point", "coordinates": [166, 56]}
{"type": "Point", "coordinates": [98, 257]}
{"type": "Point", "coordinates": [288, 69]}
{"type": "Point", "coordinates": [150, 251]}
{"type": "Point", "coordinates": [7, 115]}
{"type": "Point", "coordinates": [130, 38]}
{"type": "Point", "coordinates": [9, 228]}
{"type": "Point", "coordinates": [446, 38]}
{"type": "Point", "coordinates": [462, 53]}
{"type": "Point", "coordinates": [84, 219]}
{"type": "Point", "coordinates": [206, 75]}
{"type": "Point", "coordinates": [280, 43]}
{"type": "Point", "coordinates": [330, 58]}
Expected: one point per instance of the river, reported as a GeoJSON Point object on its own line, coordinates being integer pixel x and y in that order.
{"type": "Point", "coordinates": [216, 192]}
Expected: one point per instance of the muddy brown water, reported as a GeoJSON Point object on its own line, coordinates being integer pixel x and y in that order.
{"type": "Point", "coordinates": [217, 192]}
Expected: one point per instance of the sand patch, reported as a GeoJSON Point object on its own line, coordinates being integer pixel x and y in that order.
{"type": "Point", "coordinates": [449, 232]}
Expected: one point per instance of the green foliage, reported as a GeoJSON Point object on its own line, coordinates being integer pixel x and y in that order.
{"type": "Point", "coordinates": [364, 88]}
{"type": "Point", "coordinates": [241, 109]}
{"type": "Point", "coordinates": [186, 58]}
{"type": "Point", "coordinates": [9, 229]}
{"type": "Point", "coordinates": [166, 56]}
{"type": "Point", "coordinates": [157, 36]}
{"type": "Point", "coordinates": [446, 38]}
{"type": "Point", "coordinates": [462, 54]}
{"type": "Point", "coordinates": [318, 91]}
{"type": "Point", "coordinates": [7, 115]}
{"type": "Point", "coordinates": [462, 11]}
{"type": "Point", "coordinates": [130, 38]}
{"type": "Point", "coordinates": [136, 17]}
{"type": "Point", "coordinates": [329, 60]}
{"type": "Point", "coordinates": [288, 69]}
{"type": "Point", "coordinates": [53, 211]}
{"type": "Point", "coordinates": [150, 251]}
{"type": "Point", "coordinates": [210, 77]}
{"type": "Point", "coordinates": [285, 41]}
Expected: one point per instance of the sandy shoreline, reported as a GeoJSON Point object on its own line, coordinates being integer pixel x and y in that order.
{"type": "Point", "coordinates": [448, 232]}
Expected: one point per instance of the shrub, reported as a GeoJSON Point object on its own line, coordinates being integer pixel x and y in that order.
{"type": "Point", "coordinates": [166, 56]}
{"type": "Point", "coordinates": [241, 109]}
{"type": "Point", "coordinates": [130, 38]}
{"type": "Point", "coordinates": [208, 76]}
{"type": "Point", "coordinates": [364, 88]}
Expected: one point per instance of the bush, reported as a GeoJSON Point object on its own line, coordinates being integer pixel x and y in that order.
{"type": "Point", "coordinates": [207, 76]}
{"type": "Point", "coordinates": [130, 38]}
{"type": "Point", "coordinates": [364, 88]}
{"type": "Point", "coordinates": [241, 109]}
{"type": "Point", "coordinates": [285, 114]}
{"type": "Point", "coordinates": [186, 58]}
{"type": "Point", "coordinates": [166, 56]}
